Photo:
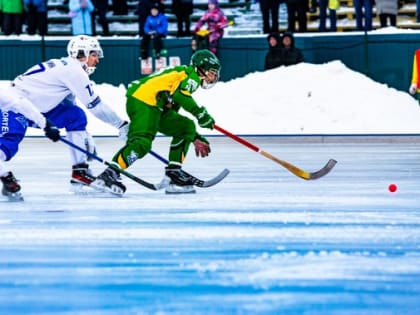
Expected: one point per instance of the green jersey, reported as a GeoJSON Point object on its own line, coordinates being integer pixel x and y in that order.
{"type": "Point", "coordinates": [170, 87]}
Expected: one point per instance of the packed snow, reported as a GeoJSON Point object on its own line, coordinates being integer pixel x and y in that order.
{"type": "Point", "coordinates": [302, 99]}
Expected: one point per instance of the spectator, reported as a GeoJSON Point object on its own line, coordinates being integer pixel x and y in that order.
{"type": "Point", "coordinates": [415, 76]}
{"type": "Point", "coordinates": [296, 12]}
{"type": "Point", "coordinates": [101, 7]}
{"type": "Point", "coordinates": [387, 9]}
{"type": "Point", "coordinates": [156, 28]}
{"type": "Point", "coordinates": [332, 6]}
{"type": "Point", "coordinates": [418, 11]}
{"type": "Point", "coordinates": [273, 56]}
{"type": "Point", "coordinates": [143, 11]}
{"type": "Point", "coordinates": [290, 55]}
{"type": "Point", "coordinates": [363, 10]}
{"type": "Point", "coordinates": [216, 22]}
{"type": "Point", "coordinates": [36, 16]}
{"type": "Point", "coordinates": [183, 10]}
{"type": "Point", "coordinates": [81, 18]}
{"type": "Point", "coordinates": [270, 8]}
{"type": "Point", "coordinates": [12, 16]}
{"type": "Point", "coordinates": [120, 7]}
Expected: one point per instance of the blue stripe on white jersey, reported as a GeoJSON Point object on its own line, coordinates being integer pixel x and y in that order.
{"type": "Point", "coordinates": [95, 102]}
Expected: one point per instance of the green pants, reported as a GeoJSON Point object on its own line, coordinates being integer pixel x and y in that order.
{"type": "Point", "coordinates": [145, 122]}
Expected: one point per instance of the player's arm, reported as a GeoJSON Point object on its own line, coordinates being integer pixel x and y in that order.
{"type": "Point", "coordinates": [103, 112]}
{"type": "Point", "coordinates": [23, 106]}
{"type": "Point", "coordinates": [82, 88]}
{"type": "Point", "coordinates": [187, 102]}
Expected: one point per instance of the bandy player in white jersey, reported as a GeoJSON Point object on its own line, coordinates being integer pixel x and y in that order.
{"type": "Point", "coordinates": [14, 114]}
{"type": "Point", "coordinates": [52, 87]}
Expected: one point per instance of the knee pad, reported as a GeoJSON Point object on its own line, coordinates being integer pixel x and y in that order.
{"type": "Point", "coordinates": [142, 145]}
{"type": "Point", "coordinates": [135, 149]}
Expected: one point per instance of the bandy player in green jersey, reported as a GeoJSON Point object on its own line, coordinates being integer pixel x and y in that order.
{"type": "Point", "coordinates": [152, 104]}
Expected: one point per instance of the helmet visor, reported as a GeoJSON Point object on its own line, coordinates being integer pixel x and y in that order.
{"type": "Point", "coordinates": [210, 78]}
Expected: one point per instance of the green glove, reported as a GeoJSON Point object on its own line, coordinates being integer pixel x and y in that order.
{"type": "Point", "coordinates": [204, 118]}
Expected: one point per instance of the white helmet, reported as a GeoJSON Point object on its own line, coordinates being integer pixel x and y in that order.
{"type": "Point", "coordinates": [81, 46]}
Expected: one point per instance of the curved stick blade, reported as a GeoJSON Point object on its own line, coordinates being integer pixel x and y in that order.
{"type": "Point", "coordinates": [323, 171]}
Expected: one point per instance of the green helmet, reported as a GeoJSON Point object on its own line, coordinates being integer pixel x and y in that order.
{"type": "Point", "coordinates": [205, 61]}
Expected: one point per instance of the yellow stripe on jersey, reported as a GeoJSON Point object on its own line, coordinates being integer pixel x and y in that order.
{"type": "Point", "coordinates": [167, 81]}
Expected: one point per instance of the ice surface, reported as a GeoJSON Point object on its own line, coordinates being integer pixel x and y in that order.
{"type": "Point", "coordinates": [261, 242]}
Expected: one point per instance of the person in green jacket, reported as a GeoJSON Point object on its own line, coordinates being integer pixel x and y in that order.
{"type": "Point", "coordinates": [152, 105]}
{"type": "Point", "coordinates": [12, 16]}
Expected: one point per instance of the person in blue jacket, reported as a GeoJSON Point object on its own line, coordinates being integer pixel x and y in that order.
{"type": "Point", "coordinates": [156, 28]}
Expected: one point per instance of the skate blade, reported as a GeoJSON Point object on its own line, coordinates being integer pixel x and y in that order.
{"type": "Point", "coordinates": [115, 190]}
{"type": "Point", "coordinates": [100, 185]}
{"type": "Point", "coordinates": [82, 189]}
{"type": "Point", "coordinates": [15, 197]}
{"type": "Point", "coordinates": [179, 192]}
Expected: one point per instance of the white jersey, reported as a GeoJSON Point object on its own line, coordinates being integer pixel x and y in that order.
{"type": "Point", "coordinates": [48, 83]}
{"type": "Point", "coordinates": [18, 104]}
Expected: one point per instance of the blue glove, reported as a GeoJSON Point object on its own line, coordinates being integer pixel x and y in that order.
{"type": "Point", "coordinates": [204, 119]}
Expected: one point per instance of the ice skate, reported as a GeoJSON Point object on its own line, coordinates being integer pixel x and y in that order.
{"type": "Point", "coordinates": [110, 181]}
{"type": "Point", "coordinates": [178, 189]}
{"type": "Point", "coordinates": [180, 182]}
{"type": "Point", "coordinates": [11, 187]}
{"type": "Point", "coordinates": [81, 178]}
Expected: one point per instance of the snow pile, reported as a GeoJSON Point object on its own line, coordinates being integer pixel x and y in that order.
{"type": "Point", "coordinates": [300, 99]}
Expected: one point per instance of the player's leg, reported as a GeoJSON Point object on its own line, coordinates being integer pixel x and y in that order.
{"type": "Point", "coordinates": [182, 130]}
{"type": "Point", "coordinates": [71, 117]}
{"type": "Point", "coordinates": [13, 130]}
{"type": "Point", "coordinates": [144, 120]}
